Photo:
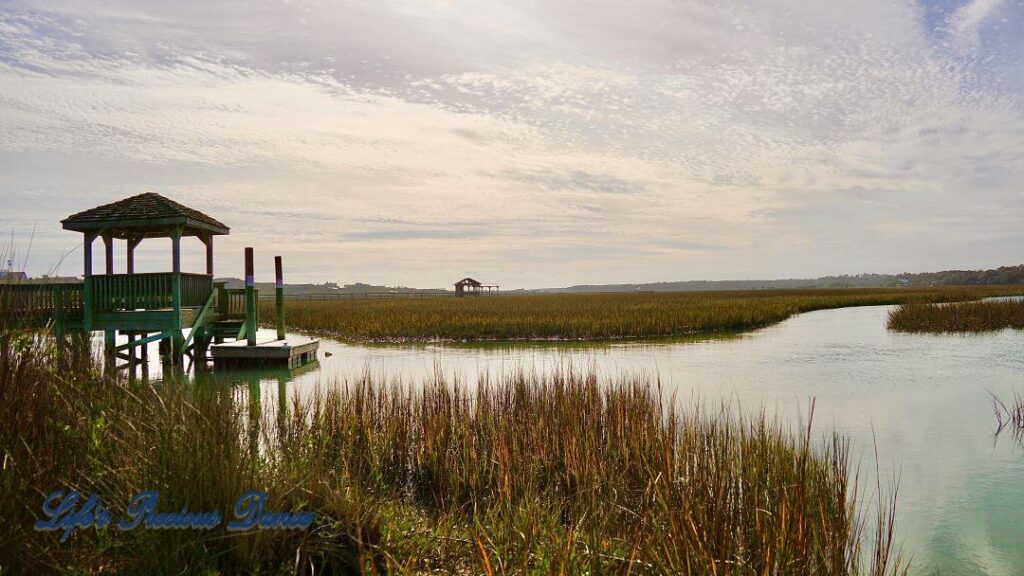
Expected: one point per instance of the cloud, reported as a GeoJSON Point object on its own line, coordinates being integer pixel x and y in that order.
{"type": "Point", "coordinates": [534, 143]}
{"type": "Point", "coordinates": [965, 22]}
{"type": "Point", "coordinates": [575, 180]}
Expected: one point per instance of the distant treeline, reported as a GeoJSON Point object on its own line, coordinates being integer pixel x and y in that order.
{"type": "Point", "coordinates": [328, 288]}
{"type": "Point", "coordinates": [1005, 275]}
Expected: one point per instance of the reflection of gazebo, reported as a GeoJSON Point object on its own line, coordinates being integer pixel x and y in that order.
{"type": "Point", "coordinates": [148, 306]}
{"type": "Point", "coordinates": [471, 287]}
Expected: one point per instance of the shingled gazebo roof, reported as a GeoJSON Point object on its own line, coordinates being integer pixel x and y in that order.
{"type": "Point", "coordinates": [144, 216]}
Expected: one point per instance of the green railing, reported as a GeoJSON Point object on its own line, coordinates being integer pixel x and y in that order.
{"type": "Point", "coordinates": [195, 289]}
{"type": "Point", "coordinates": [115, 292]}
{"type": "Point", "coordinates": [231, 302]}
{"type": "Point", "coordinates": [43, 300]}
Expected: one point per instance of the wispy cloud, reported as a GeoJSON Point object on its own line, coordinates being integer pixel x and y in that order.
{"type": "Point", "coordinates": [410, 142]}
{"type": "Point", "coordinates": [964, 24]}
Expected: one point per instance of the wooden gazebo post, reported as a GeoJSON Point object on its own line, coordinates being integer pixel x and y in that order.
{"type": "Point", "coordinates": [207, 239]}
{"type": "Point", "coordinates": [109, 335]}
{"type": "Point", "coordinates": [177, 340]}
{"type": "Point", "coordinates": [87, 282]}
{"type": "Point", "coordinates": [108, 252]}
{"type": "Point", "coordinates": [133, 243]}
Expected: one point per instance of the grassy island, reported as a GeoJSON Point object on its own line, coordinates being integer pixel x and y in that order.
{"type": "Point", "coordinates": [963, 317]}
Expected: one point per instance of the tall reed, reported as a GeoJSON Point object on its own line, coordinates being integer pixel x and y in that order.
{"type": "Point", "coordinates": [564, 473]}
{"type": "Point", "coordinates": [1010, 415]}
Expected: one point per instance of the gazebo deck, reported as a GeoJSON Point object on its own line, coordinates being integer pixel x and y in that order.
{"type": "Point", "coordinates": [152, 320]}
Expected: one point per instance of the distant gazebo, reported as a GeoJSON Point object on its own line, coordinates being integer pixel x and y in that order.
{"type": "Point", "coordinates": [471, 287]}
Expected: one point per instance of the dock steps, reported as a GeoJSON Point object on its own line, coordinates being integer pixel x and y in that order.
{"type": "Point", "coordinates": [226, 328]}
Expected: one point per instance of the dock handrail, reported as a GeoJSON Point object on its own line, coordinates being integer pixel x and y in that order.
{"type": "Point", "coordinates": [43, 299]}
{"type": "Point", "coordinates": [231, 301]}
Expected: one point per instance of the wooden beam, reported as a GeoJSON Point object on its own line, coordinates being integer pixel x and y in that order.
{"type": "Point", "coordinates": [176, 292]}
{"type": "Point", "coordinates": [108, 252]}
{"type": "Point", "coordinates": [176, 251]}
{"type": "Point", "coordinates": [177, 349]}
{"type": "Point", "coordinates": [87, 284]}
{"type": "Point", "coordinates": [132, 244]}
{"type": "Point", "coordinates": [87, 249]}
{"type": "Point", "coordinates": [131, 351]}
{"type": "Point", "coordinates": [191, 227]}
{"type": "Point", "coordinates": [208, 240]}
{"type": "Point", "coordinates": [144, 341]}
{"type": "Point", "coordinates": [200, 319]}
{"type": "Point", "coordinates": [109, 342]}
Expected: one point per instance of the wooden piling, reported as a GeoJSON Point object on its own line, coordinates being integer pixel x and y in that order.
{"type": "Point", "coordinates": [250, 299]}
{"type": "Point", "coordinates": [109, 343]}
{"type": "Point", "coordinates": [144, 354]}
{"type": "Point", "coordinates": [133, 361]}
{"type": "Point", "coordinates": [279, 297]}
{"type": "Point", "coordinates": [59, 317]}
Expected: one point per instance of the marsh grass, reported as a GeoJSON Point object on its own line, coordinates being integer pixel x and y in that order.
{"type": "Point", "coordinates": [1010, 415]}
{"type": "Point", "coordinates": [587, 316]}
{"type": "Point", "coordinates": [561, 473]}
{"type": "Point", "coordinates": [964, 317]}
{"type": "Point", "coordinates": [66, 426]}
{"type": "Point", "coordinates": [513, 474]}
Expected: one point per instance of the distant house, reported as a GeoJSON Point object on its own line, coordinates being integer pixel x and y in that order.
{"type": "Point", "coordinates": [6, 276]}
{"type": "Point", "coordinates": [471, 287]}
{"type": "Point", "coordinates": [903, 282]}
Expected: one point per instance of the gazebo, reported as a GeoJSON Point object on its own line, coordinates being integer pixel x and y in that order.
{"type": "Point", "coordinates": [158, 307]}
{"type": "Point", "coordinates": [471, 287]}
{"type": "Point", "coordinates": [152, 306]}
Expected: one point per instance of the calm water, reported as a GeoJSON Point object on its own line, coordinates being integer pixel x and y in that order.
{"type": "Point", "coordinates": [925, 400]}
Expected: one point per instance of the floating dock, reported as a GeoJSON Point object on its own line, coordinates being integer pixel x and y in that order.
{"type": "Point", "coordinates": [291, 352]}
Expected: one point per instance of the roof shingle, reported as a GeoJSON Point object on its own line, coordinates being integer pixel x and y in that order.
{"type": "Point", "coordinates": [149, 210]}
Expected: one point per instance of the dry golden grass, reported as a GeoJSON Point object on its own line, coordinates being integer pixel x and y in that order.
{"type": "Point", "coordinates": [958, 317]}
{"type": "Point", "coordinates": [555, 473]}
{"type": "Point", "coordinates": [526, 474]}
{"type": "Point", "coordinates": [587, 316]}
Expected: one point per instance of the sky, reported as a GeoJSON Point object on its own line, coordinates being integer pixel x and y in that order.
{"type": "Point", "coordinates": [529, 143]}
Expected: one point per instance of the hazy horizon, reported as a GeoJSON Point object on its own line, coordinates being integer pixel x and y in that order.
{"type": "Point", "coordinates": [532, 144]}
